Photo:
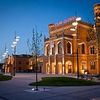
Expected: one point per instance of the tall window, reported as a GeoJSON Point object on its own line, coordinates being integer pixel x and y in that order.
{"type": "Point", "coordinates": [59, 48]}
{"type": "Point", "coordinates": [83, 65]}
{"type": "Point", "coordinates": [83, 49]}
{"type": "Point", "coordinates": [19, 62]}
{"type": "Point", "coordinates": [48, 50]}
{"type": "Point", "coordinates": [92, 50]}
{"type": "Point", "coordinates": [48, 68]}
{"type": "Point", "coordinates": [53, 49]}
{"type": "Point", "coordinates": [69, 48]}
{"type": "Point", "coordinates": [92, 65]}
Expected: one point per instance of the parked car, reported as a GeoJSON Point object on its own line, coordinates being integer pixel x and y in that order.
{"type": "Point", "coordinates": [86, 76]}
{"type": "Point", "coordinates": [96, 77]}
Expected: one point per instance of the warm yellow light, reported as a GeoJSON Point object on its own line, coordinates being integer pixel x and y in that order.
{"type": "Point", "coordinates": [98, 17]}
{"type": "Point", "coordinates": [59, 63]}
{"type": "Point", "coordinates": [82, 71]}
{"type": "Point", "coordinates": [73, 29]}
{"type": "Point", "coordinates": [73, 34]}
{"type": "Point", "coordinates": [75, 23]}
{"type": "Point", "coordinates": [30, 68]}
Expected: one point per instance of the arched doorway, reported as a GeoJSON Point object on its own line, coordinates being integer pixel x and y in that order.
{"type": "Point", "coordinates": [53, 68]}
{"type": "Point", "coordinates": [68, 67]}
{"type": "Point", "coordinates": [47, 68]}
{"type": "Point", "coordinates": [59, 68]}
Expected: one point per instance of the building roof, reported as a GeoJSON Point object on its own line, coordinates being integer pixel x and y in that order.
{"type": "Point", "coordinates": [64, 28]}
{"type": "Point", "coordinates": [97, 4]}
{"type": "Point", "coordinates": [23, 55]}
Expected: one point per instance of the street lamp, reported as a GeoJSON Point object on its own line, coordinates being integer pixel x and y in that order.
{"type": "Point", "coordinates": [75, 24]}
{"type": "Point", "coordinates": [5, 53]}
{"type": "Point", "coordinates": [14, 44]}
{"type": "Point", "coordinates": [4, 58]}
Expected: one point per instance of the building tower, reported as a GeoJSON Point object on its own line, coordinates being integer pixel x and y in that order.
{"type": "Point", "coordinates": [97, 25]}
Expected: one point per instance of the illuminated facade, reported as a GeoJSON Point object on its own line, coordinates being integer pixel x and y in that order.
{"type": "Point", "coordinates": [60, 49]}
{"type": "Point", "coordinates": [22, 63]}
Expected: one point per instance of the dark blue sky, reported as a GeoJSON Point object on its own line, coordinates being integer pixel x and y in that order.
{"type": "Point", "coordinates": [22, 15]}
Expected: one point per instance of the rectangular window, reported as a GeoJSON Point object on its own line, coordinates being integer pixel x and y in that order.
{"type": "Point", "coordinates": [83, 49]}
{"type": "Point", "coordinates": [60, 48]}
{"type": "Point", "coordinates": [19, 62]}
{"type": "Point", "coordinates": [83, 65]}
{"type": "Point", "coordinates": [53, 51]}
{"type": "Point", "coordinates": [92, 65]}
{"type": "Point", "coordinates": [92, 50]}
{"type": "Point", "coordinates": [27, 63]}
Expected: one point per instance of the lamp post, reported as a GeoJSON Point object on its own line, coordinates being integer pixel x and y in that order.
{"type": "Point", "coordinates": [4, 57]}
{"type": "Point", "coordinates": [75, 24]}
{"type": "Point", "coordinates": [14, 44]}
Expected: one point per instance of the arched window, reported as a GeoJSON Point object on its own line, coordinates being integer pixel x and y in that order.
{"type": "Point", "coordinates": [48, 50]}
{"type": "Point", "coordinates": [59, 48]}
{"type": "Point", "coordinates": [83, 48]}
{"type": "Point", "coordinates": [69, 48]}
{"type": "Point", "coordinates": [92, 50]}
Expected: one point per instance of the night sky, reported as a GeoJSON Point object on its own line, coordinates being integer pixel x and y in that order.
{"type": "Point", "coordinates": [21, 16]}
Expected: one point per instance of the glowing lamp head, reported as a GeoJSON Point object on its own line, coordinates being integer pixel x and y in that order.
{"type": "Point", "coordinates": [3, 55]}
{"type": "Point", "coordinates": [13, 46]}
{"type": "Point", "coordinates": [17, 38]}
{"type": "Point", "coordinates": [78, 18]}
{"type": "Point", "coordinates": [14, 43]}
{"type": "Point", "coordinates": [75, 23]}
{"type": "Point", "coordinates": [73, 29]}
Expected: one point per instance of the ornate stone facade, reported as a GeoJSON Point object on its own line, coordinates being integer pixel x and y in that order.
{"type": "Point", "coordinates": [67, 51]}
{"type": "Point", "coordinates": [97, 25]}
{"type": "Point", "coordinates": [22, 63]}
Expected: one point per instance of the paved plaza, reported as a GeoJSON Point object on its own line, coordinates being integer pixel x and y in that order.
{"type": "Point", "coordinates": [18, 89]}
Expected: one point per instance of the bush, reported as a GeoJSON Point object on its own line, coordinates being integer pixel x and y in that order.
{"type": "Point", "coordinates": [5, 77]}
{"type": "Point", "coordinates": [64, 81]}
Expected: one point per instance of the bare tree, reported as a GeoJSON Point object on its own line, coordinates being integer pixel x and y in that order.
{"type": "Point", "coordinates": [35, 49]}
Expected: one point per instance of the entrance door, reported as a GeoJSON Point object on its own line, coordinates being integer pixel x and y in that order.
{"type": "Point", "coordinates": [68, 68]}
{"type": "Point", "coordinates": [53, 68]}
{"type": "Point", "coordinates": [59, 68]}
{"type": "Point", "coordinates": [47, 68]}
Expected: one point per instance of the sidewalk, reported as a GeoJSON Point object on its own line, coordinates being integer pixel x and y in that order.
{"type": "Point", "coordinates": [18, 89]}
